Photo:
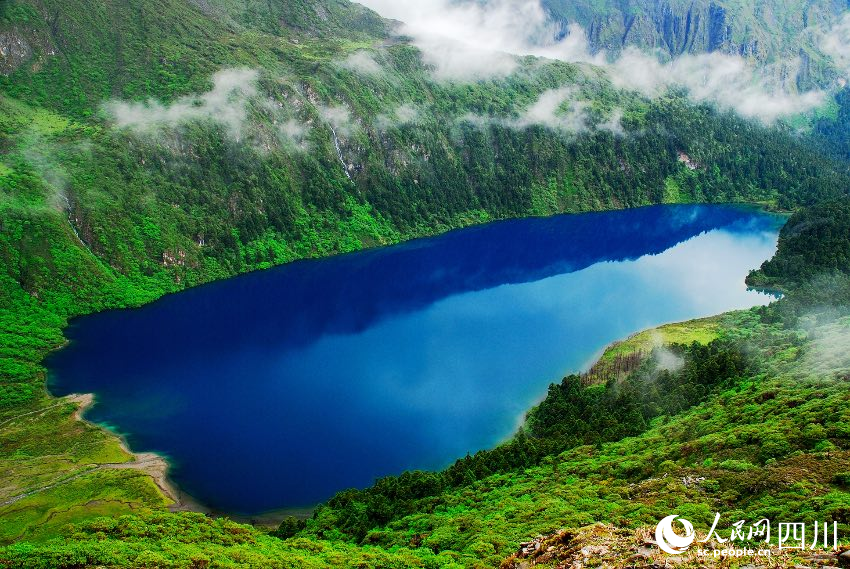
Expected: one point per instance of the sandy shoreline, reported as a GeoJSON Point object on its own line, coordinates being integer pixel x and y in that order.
{"type": "Point", "coordinates": [151, 463]}
{"type": "Point", "coordinates": [156, 466]}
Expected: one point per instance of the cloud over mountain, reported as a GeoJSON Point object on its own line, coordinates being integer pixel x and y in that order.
{"type": "Point", "coordinates": [469, 41]}
{"type": "Point", "coordinates": [226, 103]}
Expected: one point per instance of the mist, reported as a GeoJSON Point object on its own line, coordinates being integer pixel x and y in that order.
{"type": "Point", "coordinates": [339, 118]}
{"type": "Point", "coordinates": [226, 103]}
{"type": "Point", "coordinates": [293, 134]}
{"type": "Point", "coordinates": [402, 115]}
{"type": "Point", "coordinates": [362, 62]}
{"type": "Point", "coordinates": [828, 326]}
{"type": "Point", "coordinates": [40, 154]}
{"type": "Point", "coordinates": [562, 109]}
{"type": "Point", "coordinates": [468, 41]}
{"type": "Point", "coordinates": [666, 360]}
{"type": "Point", "coordinates": [836, 44]}
{"type": "Point", "coordinates": [829, 348]}
{"type": "Point", "coordinates": [725, 80]}
{"type": "Point", "coordinates": [557, 108]}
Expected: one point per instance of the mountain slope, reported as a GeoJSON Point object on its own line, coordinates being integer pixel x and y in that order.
{"type": "Point", "coordinates": [770, 32]}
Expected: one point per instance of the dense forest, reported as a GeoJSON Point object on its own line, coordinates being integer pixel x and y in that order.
{"type": "Point", "coordinates": [813, 258]}
{"type": "Point", "coordinates": [814, 242]}
{"type": "Point", "coordinates": [832, 132]}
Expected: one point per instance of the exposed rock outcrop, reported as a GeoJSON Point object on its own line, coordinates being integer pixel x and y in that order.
{"type": "Point", "coordinates": [14, 50]}
{"type": "Point", "coordinates": [766, 31]}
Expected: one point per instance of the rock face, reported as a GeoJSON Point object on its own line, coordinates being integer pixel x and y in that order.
{"type": "Point", "coordinates": [14, 50]}
{"type": "Point", "coordinates": [765, 31]}
{"type": "Point", "coordinates": [699, 27]}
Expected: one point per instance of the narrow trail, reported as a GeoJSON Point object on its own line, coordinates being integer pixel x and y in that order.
{"type": "Point", "coordinates": [28, 413]}
{"type": "Point", "coordinates": [149, 463]}
{"type": "Point", "coordinates": [20, 497]}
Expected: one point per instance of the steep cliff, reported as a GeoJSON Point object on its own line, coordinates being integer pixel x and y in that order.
{"type": "Point", "coordinates": [769, 32]}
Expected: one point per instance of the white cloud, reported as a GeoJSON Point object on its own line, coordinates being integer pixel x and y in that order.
{"type": "Point", "coordinates": [407, 114]}
{"type": "Point", "coordinates": [469, 40]}
{"type": "Point", "coordinates": [294, 134]}
{"type": "Point", "coordinates": [402, 115]}
{"type": "Point", "coordinates": [339, 117]}
{"type": "Point", "coordinates": [226, 103]}
{"type": "Point", "coordinates": [614, 124]}
{"type": "Point", "coordinates": [558, 109]}
{"type": "Point", "coordinates": [362, 62]}
{"type": "Point", "coordinates": [726, 80]}
{"type": "Point", "coordinates": [667, 360]}
{"type": "Point", "coordinates": [562, 109]}
{"type": "Point", "coordinates": [836, 44]}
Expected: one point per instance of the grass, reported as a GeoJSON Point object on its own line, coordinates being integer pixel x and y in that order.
{"type": "Point", "coordinates": [56, 462]}
{"type": "Point", "coordinates": [702, 331]}
{"type": "Point", "coordinates": [79, 497]}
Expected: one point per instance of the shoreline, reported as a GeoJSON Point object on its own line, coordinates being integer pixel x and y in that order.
{"type": "Point", "coordinates": [157, 466]}
{"type": "Point", "coordinates": [152, 464]}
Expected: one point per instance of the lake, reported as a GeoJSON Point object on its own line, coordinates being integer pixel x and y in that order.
{"type": "Point", "coordinates": [279, 388]}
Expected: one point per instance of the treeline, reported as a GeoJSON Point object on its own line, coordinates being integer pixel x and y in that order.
{"type": "Point", "coordinates": [814, 242]}
{"type": "Point", "coordinates": [832, 133]}
{"type": "Point", "coordinates": [571, 415]}
{"type": "Point", "coordinates": [812, 261]}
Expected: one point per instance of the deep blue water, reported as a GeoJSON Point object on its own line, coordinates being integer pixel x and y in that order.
{"type": "Point", "coordinates": [279, 388]}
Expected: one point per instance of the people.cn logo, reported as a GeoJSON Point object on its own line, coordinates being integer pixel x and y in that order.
{"type": "Point", "coordinates": [671, 542]}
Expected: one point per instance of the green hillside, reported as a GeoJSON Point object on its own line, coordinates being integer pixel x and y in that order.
{"type": "Point", "coordinates": [148, 147]}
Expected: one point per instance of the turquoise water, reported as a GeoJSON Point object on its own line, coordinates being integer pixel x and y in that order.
{"type": "Point", "coordinates": [279, 388]}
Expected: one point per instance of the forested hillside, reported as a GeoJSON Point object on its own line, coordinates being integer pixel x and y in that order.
{"type": "Point", "coordinates": [813, 259]}
{"type": "Point", "coordinates": [832, 132]}
{"type": "Point", "coordinates": [147, 147]}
